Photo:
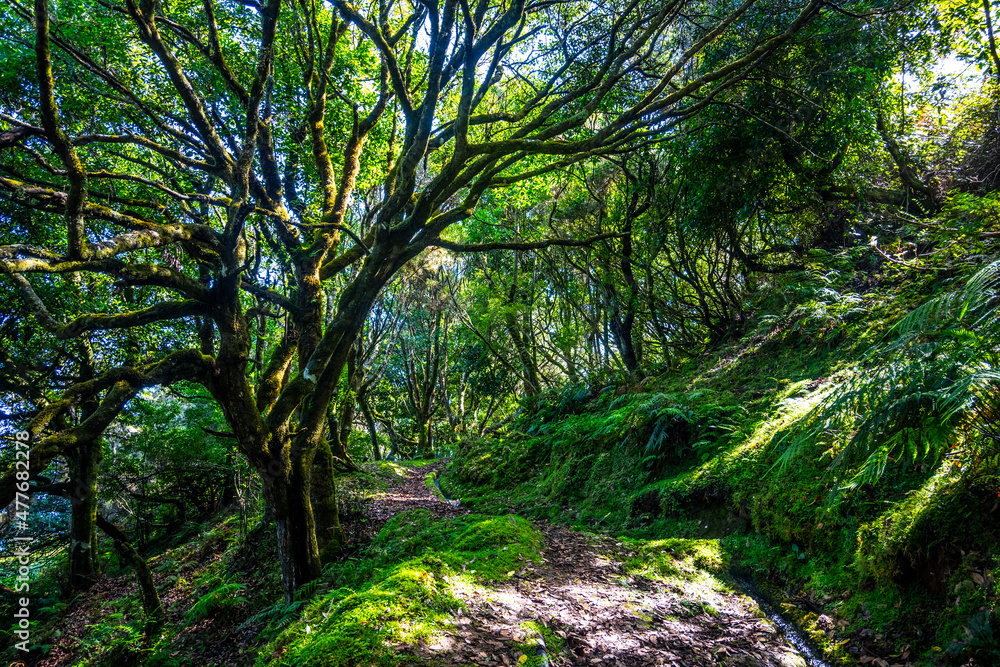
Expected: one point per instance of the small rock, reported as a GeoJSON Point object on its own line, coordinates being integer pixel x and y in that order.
{"type": "Point", "coordinates": [792, 660]}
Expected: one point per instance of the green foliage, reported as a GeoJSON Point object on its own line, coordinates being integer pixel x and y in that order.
{"type": "Point", "coordinates": [963, 25]}
{"type": "Point", "coordinates": [820, 307]}
{"type": "Point", "coordinates": [681, 430]}
{"type": "Point", "coordinates": [911, 394]}
{"type": "Point", "coordinates": [115, 640]}
{"type": "Point", "coordinates": [217, 603]}
{"type": "Point", "coordinates": [982, 644]}
{"type": "Point", "coordinates": [274, 619]}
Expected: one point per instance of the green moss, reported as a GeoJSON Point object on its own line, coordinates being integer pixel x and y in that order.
{"type": "Point", "coordinates": [415, 463]}
{"type": "Point", "coordinates": [403, 588]}
{"type": "Point", "coordinates": [371, 478]}
{"type": "Point", "coordinates": [541, 646]}
{"type": "Point", "coordinates": [671, 559]}
{"type": "Point", "coordinates": [352, 628]}
{"type": "Point", "coordinates": [429, 482]}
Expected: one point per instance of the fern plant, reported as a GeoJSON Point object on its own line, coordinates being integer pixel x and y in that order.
{"type": "Point", "coordinates": [274, 619]}
{"type": "Point", "coordinates": [914, 392]}
{"type": "Point", "coordinates": [680, 430]}
{"type": "Point", "coordinates": [982, 644]}
{"type": "Point", "coordinates": [217, 602]}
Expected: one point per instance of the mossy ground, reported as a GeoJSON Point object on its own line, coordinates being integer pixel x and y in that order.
{"type": "Point", "coordinates": [221, 592]}
{"type": "Point", "coordinates": [435, 586]}
{"type": "Point", "coordinates": [401, 590]}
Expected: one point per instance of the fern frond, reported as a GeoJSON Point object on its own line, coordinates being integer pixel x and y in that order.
{"type": "Point", "coordinates": [913, 392]}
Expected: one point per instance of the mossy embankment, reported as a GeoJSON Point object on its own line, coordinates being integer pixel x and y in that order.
{"type": "Point", "coordinates": [901, 570]}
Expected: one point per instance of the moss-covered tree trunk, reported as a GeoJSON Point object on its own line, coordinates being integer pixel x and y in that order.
{"type": "Point", "coordinates": [518, 299]}
{"type": "Point", "coordinates": [83, 564]}
{"type": "Point", "coordinates": [424, 444]}
{"type": "Point", "coordinates": [84, 464]}
{"type": "Point", "coordinates": [341, 423]}
{"type": "Point", "coordinates": [147, 586]}
{"type": "Point", "coordinates": [323, 495]}
{"type": "Point", "coordinates": [295, 526]}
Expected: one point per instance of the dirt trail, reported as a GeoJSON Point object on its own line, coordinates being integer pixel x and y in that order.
{"type": "Point", "coordinates": [601, 615]}
{"type": "Point", "coordinates": [410, 493]}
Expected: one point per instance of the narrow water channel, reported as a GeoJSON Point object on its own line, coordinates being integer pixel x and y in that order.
{"type": "Point", "coordinates": [437, 483]}
{"type": "Point", "coordinates": [804, 646]}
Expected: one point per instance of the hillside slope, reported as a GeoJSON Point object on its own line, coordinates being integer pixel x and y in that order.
{"type": "Point", "coordinates": [882, 559]}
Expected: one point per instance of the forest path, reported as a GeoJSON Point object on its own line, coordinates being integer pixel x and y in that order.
{"type": "Point", "coordinates": [410, 493]}
{"type": "Point", "coordinates": [593, 611]}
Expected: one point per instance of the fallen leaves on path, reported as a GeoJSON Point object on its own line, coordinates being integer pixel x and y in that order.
{"type": "Point", "coordinates": [410, 493]}
{"type": "Point", "coordinates": [581, 595]}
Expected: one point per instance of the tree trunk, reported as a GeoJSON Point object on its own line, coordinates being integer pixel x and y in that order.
{"type": "Point", "coordinates": [287, 472]}
{"type": "Point", "coordinates": [229, 494]}
{"type": "Point", "coordinates": [623, 314]}
{"type": "Point", "coordinates": [84, 463]}
{"type": "Point", "coordinates": [298, 548]}
{"type": "Point", "coordinates": [522, 345]}
{"type": "Point", "coordinates": [424, 444]}
{"type": "Point", "coordinates": [323, 495]}
{"type": "Point", "coordinates": [83, 565]}
{"type": "Point", "coordinates": [370, 421]}
{"type": "Point", "coordinates": [348, 406]}
{"type": "Point", "coordinates": [337, 443]}
{"type": "Point", "coordinates": [147, 586]}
